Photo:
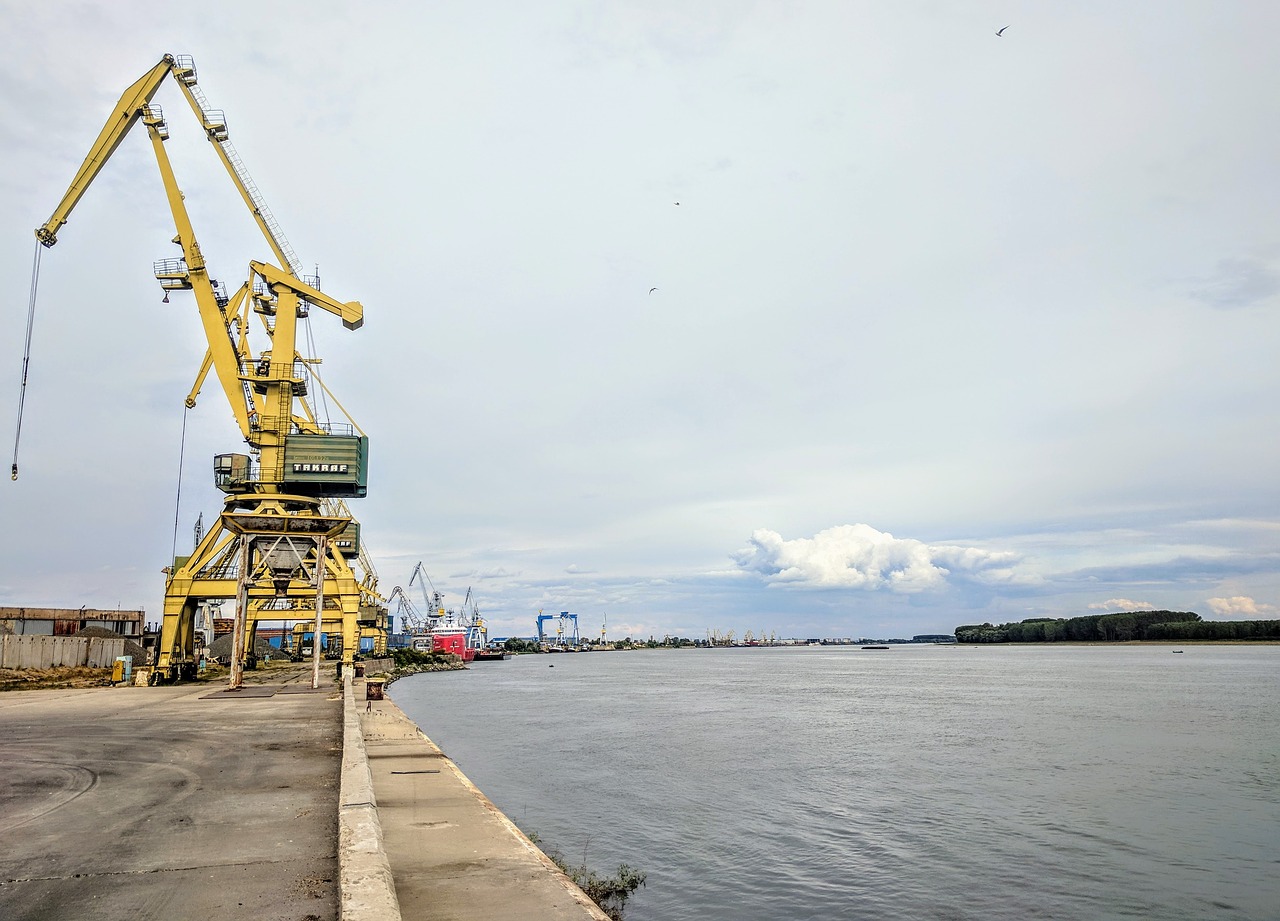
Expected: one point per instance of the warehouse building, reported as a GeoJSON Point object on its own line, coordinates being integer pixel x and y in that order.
{"type": "Point", "coordinates": [69, 621]}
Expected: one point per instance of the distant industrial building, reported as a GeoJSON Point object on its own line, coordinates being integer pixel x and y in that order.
{"type": "Point", "coordinates": [68, 621]}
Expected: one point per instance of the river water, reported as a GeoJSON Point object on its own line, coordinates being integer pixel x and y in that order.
{"type": "Point", "coordinates": [930, 782]}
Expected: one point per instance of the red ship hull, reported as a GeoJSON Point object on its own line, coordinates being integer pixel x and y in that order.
{"type": "Point", "coordinates": [454, 642]}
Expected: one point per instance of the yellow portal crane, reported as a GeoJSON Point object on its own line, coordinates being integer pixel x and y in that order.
{"type": "Point", "coordinates": [284, 541]}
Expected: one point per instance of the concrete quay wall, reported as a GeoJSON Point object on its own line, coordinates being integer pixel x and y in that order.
{"type": "Point", "coordinates": [451, 853]}
{"type": "Point", "coordinates": [373, 667]}
{"type": "Point", "coordinates": [367, 889]}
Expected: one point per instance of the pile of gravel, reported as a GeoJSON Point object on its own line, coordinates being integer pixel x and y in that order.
{"type": "Point", "coordinates": [130, 647]}
{"type": "Point", "coordinates": [221, 648]}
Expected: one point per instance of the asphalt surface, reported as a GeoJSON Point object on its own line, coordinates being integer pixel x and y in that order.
{"type": "Point", "coordinates": [171, 803]}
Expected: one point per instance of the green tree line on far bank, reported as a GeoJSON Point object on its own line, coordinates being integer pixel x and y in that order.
{"type": "Point", "coordinates": [1119, 628]}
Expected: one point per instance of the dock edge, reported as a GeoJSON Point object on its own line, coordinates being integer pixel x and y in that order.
{"type": "Point", "coordinates": [367, 888]}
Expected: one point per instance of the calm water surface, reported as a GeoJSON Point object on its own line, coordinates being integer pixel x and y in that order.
{"type": "Point", "coordinates": [920, 782]}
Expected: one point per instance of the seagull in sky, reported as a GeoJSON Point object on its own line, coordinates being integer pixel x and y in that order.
{"type": "Point", "coordinates": [1000, 33]}
{"type": "Point", "coordinates": [651, 290]}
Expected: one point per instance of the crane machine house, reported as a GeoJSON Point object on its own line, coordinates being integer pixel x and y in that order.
{"type": "Point", "coordinates": [285, 546]}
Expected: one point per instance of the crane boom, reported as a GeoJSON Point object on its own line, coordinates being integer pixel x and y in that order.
{"type": "Point", "coordinates": [351, 313]}
{"type": "Point", "coordinates": [134, 106]}
{"type": "Point", "coordinates": [215, 128]}
{"type": "Point", "coordinates": [125, 115]}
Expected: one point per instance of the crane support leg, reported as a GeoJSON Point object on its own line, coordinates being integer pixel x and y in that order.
{"type": "Point", "coordinates": [285, 562]}
{"type": "Point", "coordinates": [350, 627]}
{"type": "Point", "coordinates": [176, 645]}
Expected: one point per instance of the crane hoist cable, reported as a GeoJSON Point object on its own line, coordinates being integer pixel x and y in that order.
{"type": "Point", "coordinates": [319, 405]}
{"type": "Point", "coordinates": [26, 355]}
{"type": "Point", "coordinates": [177, 502]}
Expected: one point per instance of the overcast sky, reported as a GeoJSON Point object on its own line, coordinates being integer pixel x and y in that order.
{"type": "Point", "coordinates": [948, 327]}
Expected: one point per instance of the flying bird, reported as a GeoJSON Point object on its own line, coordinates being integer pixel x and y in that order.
{"type": "Point", "coordinates": [651, 290]}
{"type": "Point", "coordinates": [1000, 33]}
{"type": "Point", "coordinates": [677, 203]}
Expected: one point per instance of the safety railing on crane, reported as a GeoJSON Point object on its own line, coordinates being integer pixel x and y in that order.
{"type": "Point", "coordinates": [215, 125]}
{"type": "Point", "coordinates": [266, 298]}
{"type": "Point", "coordinates": [264, 370]}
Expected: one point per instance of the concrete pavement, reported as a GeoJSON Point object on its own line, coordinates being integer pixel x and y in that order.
{"type": "Point", "coordinates": [174, 802]}
{"type": "Point", "coordinates": [276, 803]}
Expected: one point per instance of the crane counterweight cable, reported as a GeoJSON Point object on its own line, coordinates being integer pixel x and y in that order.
{"type": "Point", "coordinates": [26, 355]}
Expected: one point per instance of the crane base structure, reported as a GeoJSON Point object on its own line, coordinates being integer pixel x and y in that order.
{"type": "Point", "coordinates": [278, 556]}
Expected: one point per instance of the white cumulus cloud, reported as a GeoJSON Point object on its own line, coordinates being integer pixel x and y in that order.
{"type": "Point", "coordinates": [1240, 606]}
{"type": "Point", "coordinates": [859, 556]}
{"type": "Point", "coordinates": [1121, 604]}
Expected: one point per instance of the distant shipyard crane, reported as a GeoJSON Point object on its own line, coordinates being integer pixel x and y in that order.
{"type": "Point", "coordinates": [405, 612]}
{"type": "Point", "coordinates": [565, 619]}
{"type": "Point", "coordinates": [468, 617]}
{"type": "Point", "coordinates": [435, 601]}
{"type": "Point", "coordinates": [542, 619]}
{"type": "Point", "coordinates": [477, 631]}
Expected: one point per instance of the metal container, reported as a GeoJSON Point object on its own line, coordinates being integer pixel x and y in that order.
{"type": "Point", "coordinates": [348, 542]}
{"type": "Point", "coordinates": [327, 465]}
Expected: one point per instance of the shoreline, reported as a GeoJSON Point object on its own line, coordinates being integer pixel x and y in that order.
{"type": "Point", "coordinates": [1098, 643]}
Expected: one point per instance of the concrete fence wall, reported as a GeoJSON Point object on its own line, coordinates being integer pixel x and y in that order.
{"type": "Point", "coordinates": [54, 651]}
{"type": "Point", "coordinates": [378, 666]}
